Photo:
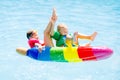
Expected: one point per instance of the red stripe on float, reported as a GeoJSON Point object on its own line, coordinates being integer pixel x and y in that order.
{"type": "Point", "coordinates": [86, 53]}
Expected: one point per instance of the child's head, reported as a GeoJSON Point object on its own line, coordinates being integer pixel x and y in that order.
{"type": "Point", "coordinates": [62, 28]}
{"type": "Point", "coordinates": [32, 34]}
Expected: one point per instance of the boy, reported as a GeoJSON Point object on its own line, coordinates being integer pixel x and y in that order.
{"type": "Point", "coordinates": [61, 35]}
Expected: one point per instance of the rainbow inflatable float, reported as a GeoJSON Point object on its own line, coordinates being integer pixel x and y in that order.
{"type": "Point", "coordinates": [72, 54]}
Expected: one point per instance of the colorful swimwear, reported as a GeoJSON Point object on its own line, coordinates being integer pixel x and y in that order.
{"type": "Point", "coordinates": [32, 42]}
{"type": "Point", "coordinates": [60, 39]}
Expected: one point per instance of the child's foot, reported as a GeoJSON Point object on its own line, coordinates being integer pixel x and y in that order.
{"type": "Point", "coordinates": [93, 36]}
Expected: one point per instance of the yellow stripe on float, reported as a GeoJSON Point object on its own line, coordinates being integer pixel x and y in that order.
{"type": "Point", "coordinates": [71, 54]}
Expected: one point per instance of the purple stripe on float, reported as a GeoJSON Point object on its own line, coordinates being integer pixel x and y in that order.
{"type": "Point", "coordinates": [102, 52]}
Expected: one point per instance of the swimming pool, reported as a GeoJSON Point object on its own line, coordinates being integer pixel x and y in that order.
{"type": "Point", "coordinates": [85, 16]}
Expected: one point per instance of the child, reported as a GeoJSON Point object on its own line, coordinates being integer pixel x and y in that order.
{"type": "Point", "coordinates": [62, 34]}
{"type": "Point", "coordinates": [33, 40]}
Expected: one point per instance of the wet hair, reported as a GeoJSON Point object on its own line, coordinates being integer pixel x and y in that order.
{"type": "Point", "coordinates": [29, 34]}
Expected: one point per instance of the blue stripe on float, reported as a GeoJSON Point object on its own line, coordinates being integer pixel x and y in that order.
{"type": "Point", "coordinates": [33, 53]}
{"type": "Point", "coordinates": [45, 54]}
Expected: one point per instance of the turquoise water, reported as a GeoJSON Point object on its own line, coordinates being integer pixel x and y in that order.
{"type": "Point", "coordinates": [85, 16]}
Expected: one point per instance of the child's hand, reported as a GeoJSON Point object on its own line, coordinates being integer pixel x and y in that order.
{"type": "Point", "coordinates": [40, 48]}
{"type": "Point", "coordinates": [69, 37]}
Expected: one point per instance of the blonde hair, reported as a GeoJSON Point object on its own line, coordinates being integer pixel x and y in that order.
{"type": "Point", "coordinates": [61, 26]}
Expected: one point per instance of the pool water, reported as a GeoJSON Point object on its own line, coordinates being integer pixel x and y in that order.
{"type": "Point", "coordinates": [85, 16]}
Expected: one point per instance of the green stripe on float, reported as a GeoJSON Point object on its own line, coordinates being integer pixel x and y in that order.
{"type": "Point", "coordinates": [71, 54]}
{"type": "Point", "coordinates": [56, 54]}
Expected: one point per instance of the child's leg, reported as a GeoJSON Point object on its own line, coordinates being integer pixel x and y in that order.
{"type": "Point", "coordinates": [49, 31]}
{"type": "Point", "coordinates": [47, 35]}
{"type": "Point", "coordinates": [82, 36]}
